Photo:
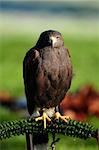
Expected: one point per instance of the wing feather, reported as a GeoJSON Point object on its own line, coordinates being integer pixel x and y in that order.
{"type": "Point", "coordinates": [30, 65]}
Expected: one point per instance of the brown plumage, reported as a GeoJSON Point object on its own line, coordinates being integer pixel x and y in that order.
{"type": "Point", "coordinates": [47, 74]}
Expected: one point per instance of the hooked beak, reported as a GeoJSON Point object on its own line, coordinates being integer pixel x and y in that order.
{"type": "Point", "coordinates": [53, 40]}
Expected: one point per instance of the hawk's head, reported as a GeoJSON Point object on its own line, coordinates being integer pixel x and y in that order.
{"type": "Point", "coordinates": [50, 38]}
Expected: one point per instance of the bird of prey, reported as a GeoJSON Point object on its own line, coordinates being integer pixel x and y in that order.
{"type": "Point", "coordinates": [47, 73]}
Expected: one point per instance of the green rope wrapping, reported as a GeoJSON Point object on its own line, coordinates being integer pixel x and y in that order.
{"type": "Point", "coordinates": [71, 128]}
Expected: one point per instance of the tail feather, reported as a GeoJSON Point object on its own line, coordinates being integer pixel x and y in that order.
{"type": "Point", "coordinates": [40, 141]}
{"type": "Point", "coordinates": [41, 147]}
{"type": "Point", "coordinates": [39, 138]}
{"type": "Point", "coordinates": [29, 142]}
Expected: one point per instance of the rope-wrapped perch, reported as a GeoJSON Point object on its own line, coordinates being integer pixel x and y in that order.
{"type": "Point", "coordinates": [71, 128]}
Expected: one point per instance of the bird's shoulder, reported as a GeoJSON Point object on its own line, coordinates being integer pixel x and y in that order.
{"type": "Point", "coordinates": [67, 50]}
{"type": "Point", "coordinates": [31, 55]}
{"type": "Point", "coordinates": [30, 61]}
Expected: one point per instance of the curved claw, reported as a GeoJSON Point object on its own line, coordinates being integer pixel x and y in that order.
{"type": "Point", "coordinates": [64, 118]}
{"type": "Point", "coordinates": [44, 117]}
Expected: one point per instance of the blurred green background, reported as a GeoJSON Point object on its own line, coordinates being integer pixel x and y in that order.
{"type": "Point", "coordinates": [20, 25]}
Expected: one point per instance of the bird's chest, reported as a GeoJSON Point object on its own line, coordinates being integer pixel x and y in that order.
{"type": "Point", "coordinates": [53, 64]}
{"type": "Point", "coordinates": [52, 77]}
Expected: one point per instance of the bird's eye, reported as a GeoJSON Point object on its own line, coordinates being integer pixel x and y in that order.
{"type": "Point", "coordinates": [57, 37]}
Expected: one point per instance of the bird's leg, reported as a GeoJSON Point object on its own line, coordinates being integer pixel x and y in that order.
{"type": "Point", "coordinates": [59, 116]}
{"type": "Point", "coordinates": [64, 118]}
{"type": "Point", "coordinates": [44, 117]}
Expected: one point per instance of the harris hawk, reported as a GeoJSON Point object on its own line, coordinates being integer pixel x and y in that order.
{"type": "Point", "coordinates": [47, 74]}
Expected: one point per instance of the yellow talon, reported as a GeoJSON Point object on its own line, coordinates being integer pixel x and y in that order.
{"type": "Point", "coordinates": [44, 117]}
{"type": "Point", "coordinates": [64, 118]}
